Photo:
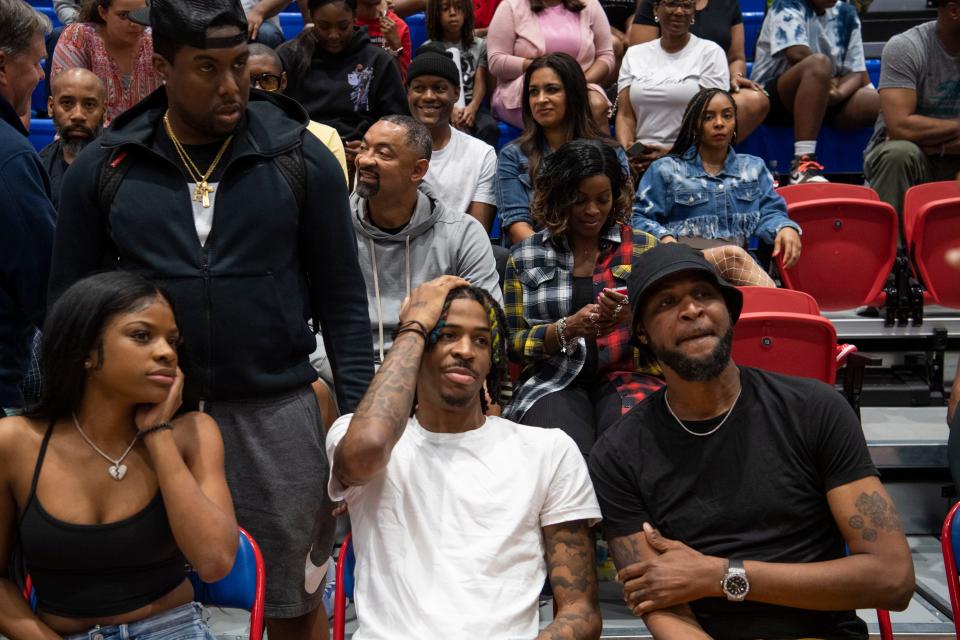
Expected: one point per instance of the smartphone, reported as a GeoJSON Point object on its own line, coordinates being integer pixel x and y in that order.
{"type": "Point", "coordinates": [621, 290]}
{"type": "Point", "coordinates": [637, 149]}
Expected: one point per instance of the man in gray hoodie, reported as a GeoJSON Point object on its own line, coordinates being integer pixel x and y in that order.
{"type": "Point", "coordinates": [405, 236]}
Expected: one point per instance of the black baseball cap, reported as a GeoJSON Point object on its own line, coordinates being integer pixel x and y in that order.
{"type": "Point", "coordinates": [186, 21]}
{"type": "Point", "coordinates": [667, 259]}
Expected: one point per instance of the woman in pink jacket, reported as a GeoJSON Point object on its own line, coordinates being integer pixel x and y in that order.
{"type": "Point", "coordinates": [522, 30]}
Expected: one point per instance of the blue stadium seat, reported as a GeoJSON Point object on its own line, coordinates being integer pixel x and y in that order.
{"type": "Point", "coordinates": [418, 30]}
{"type": "Point", "coordinates": [38, 99]}
{"type": "Point", "coordinates": [873, 69]}
{"type": "Point", "coordinates": [753, 6]}
{"type": "Point", "coordinates": [838, 151]}
{"type": "Point", "coordinates": [41, 132]}
{"type": "Point", "coordinates": [291, 23]}
{"type": "Point", "coordinates": [752, 21]}
{"type": "Point", "coordinates": [507, 134]}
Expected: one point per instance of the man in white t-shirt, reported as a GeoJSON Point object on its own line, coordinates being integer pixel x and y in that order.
{"type": "Point", "coordinates": [458, 518]}
{"type": "Point", "coordinates": [462, 168]}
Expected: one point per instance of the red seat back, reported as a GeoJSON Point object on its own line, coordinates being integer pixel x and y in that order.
{"type": "Point", "coordinates": [795, 193]}
{"type": "Point", "coordinates": [758, 299]}
{"type": "Point", "coordinates": [849, 246]}
{"type": "Point", "coordinates": [796, 344]}
{"type": "Point", "coordinates": [921, 194]}
{"type": "Point", "coordinates": [936, 230]}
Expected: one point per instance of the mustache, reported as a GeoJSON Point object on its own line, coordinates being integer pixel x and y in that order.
{"type": "Point", "coordinates": [461, 364]}
{"type": "Point", "coordinates": [82, 128]}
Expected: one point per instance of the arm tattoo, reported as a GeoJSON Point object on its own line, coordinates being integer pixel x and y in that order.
{"type": "Point", "coordinates": [389, 399]}
{"type": "Point", "coordinates": [573, 578]}
{"type": "Point", "coordinates": [625, 550]}
{"type": "Point", "coordinates": [876, 515]}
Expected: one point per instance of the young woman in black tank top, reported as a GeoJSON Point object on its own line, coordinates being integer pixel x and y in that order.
{"type": "Point", "coordinates": [106, 495]}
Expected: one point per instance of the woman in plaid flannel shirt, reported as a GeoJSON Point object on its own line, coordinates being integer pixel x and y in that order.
{"type": "Point", "coordinates": [568, 323]}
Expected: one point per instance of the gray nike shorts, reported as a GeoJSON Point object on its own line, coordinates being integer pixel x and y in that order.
{"type": "Point", "coordinates": [277, 470]}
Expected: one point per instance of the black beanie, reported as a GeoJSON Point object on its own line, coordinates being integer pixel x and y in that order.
{"type": "Point", "coordinates": [434, 62]}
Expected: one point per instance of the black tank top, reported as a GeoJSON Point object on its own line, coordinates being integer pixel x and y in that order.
{"type": "Point", "coordinates": [91, 570]}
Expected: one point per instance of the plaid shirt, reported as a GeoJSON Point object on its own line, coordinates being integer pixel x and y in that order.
{"type": "Point", "coordinates": [538, 291]}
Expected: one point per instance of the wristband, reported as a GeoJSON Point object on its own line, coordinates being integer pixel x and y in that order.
{"type": "Point", "coordinates": [411, 326]}
{"type": "Point", "coordinates": [160, 427]}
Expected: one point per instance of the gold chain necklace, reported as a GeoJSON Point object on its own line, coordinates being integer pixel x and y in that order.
{"type": "Point", "coordinates": [203, 190]}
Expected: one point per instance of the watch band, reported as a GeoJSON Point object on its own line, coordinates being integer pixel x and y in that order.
{"type": "Point", "coordinates": [734, 565]}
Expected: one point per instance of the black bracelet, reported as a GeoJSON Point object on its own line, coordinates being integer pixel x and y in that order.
{"type": "Point", "coordinates": [407, 326]}
{"type": "Point", "coordinates": [154, 429]}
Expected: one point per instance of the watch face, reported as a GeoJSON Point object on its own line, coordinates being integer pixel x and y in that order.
{"type": "Point", "coordinates": [736, 586]}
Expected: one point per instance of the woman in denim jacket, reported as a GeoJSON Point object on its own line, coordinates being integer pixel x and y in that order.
{"type": "Point", "coordinates": [705, 191]}
{"type": "Point", "coordinates": [555, 110]}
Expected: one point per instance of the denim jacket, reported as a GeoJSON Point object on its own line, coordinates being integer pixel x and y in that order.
{"type": "Point", "coordinates": [677, 197]}
{"type": "Point", "coordinates": [514, 188]}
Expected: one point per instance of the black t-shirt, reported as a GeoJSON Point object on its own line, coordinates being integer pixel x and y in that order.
{"type": "Point", "coordinates": [754, 490]}
{"type": "Point", "coordinates": [713, 23]}
{"type": "Point", "coordinates": [618, 11]}
{"type": "Point", "coordinates": [202, 155]}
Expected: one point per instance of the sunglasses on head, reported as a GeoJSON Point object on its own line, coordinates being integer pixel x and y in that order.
{"type": "Point", "coordinates": [266, 81]}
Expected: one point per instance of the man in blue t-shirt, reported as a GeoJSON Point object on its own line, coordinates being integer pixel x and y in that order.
{"type": "Point", "coordinates": [728, 495]}
{"type": "Point", "coordinates": [810, 61]}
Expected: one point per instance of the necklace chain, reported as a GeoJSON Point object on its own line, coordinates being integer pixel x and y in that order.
{"type": "Point", "coordinates": [115, 471]}
{"type": "Point", "coordinates": [694, 433]}
{"type": "Point", "coordinates": [202, 192]}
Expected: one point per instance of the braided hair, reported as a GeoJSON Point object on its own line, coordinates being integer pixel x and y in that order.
{"type": "Point", "coordinates": [692, 123]}
{"type": "Point", "coordinates": [498, 380]}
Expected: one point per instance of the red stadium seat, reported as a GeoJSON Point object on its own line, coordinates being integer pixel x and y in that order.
{"type": "Point", "coordinates": [758, 299]}
{"type": "Point", "coordinates": [931, 218]}
{"type": "Point", "coordinates": [797, 344]}
{"type": "Point", "coordinates": [795, 193]}
{"type": "Point", "coordinates": [849, 246]}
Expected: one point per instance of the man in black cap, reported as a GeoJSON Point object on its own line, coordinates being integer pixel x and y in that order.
{"type": "Point", "coordinates": [463, 168]}
{"type": "Point", "coordinates": [243, 218]}
{"type": "Point", "coordinates": [727, 496]}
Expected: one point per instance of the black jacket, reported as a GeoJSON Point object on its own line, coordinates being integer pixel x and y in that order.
{"type": "Point", "coordinates": [52, 158]}
{"type": "Point", "coordinates": [26, 239]}
{"type": "Point", "coordinates": [243, 299]}
{"type": "Point", "coordinates": [348, 91]}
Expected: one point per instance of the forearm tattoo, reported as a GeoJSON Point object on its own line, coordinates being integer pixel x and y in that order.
{"type": "Point", "coordinates": [625, 550]}
{"type": "Point", "coordinates": [573, 579]}
{"type": "Point", "coordinates": [875, 515]}
{"type": "Point", "coordinates": [390, 396]}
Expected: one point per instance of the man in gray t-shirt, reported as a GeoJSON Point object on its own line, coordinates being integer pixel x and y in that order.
{"type": "Point", "coordinates": [916, 138]}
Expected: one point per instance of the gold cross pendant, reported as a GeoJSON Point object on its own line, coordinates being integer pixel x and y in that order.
{"type": "Point", "coordinates": [202, 193]}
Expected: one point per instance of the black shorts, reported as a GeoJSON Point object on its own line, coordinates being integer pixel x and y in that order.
{"type": "Point", "coordinates": [782, 116]}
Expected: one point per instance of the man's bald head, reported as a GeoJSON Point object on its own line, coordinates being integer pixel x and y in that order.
{"type": "Point", "coordinates": [77, 105]}
{"type": "Point", "coordinates": [78, 79]}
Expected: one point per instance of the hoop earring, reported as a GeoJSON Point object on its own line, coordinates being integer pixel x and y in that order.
{"type": "Point", "coordinates": [656, 18]}
{"type": "Point", "coordinates": [692, 20]}
{"type": "Point", "coordinates": [734, 136]}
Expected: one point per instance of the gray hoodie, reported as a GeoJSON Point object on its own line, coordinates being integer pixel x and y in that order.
{"type": "Point", "coordinates": [434, 243]}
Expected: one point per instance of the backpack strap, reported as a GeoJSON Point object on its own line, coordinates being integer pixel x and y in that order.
{"type": "Point", "coordinates": [111, 175]}
{"type": "Point", "coordinates": [294, 171]}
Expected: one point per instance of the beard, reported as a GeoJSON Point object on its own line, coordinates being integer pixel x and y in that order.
{"type": "Point", "coordinates": [367, 190]}
{"type": "Point", "coordinates": [709, 367]}
{"type": "Point", "coordinates": [72, 145]}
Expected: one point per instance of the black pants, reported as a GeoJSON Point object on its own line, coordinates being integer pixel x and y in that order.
{"type": "Point", "coordinates": [583, 413]}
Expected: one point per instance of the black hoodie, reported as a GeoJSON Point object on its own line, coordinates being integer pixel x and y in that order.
{"type": "Point", "coordinates": [243, 298]}
{"type": "Point", "coordinates": [348, 91]}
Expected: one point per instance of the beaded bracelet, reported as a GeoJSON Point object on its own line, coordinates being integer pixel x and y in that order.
{"type": "Point", "coordinates": [154, 429]}
{"type": "Point", "coordinates": [411, 326]}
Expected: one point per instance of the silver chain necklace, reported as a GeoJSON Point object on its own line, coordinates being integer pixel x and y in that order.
{"type": "Point", "coordinates": [116, 470]}
{"type": "Point", "coordinates": [712, 431]}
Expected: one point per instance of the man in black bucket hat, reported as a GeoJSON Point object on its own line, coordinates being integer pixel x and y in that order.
{"type": "Point", "coordinates": [216, 193]}
{"type": "Point", "coordinates": [728, 495]}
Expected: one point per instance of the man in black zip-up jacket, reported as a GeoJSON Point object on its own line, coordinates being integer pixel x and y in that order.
{"type": "Point", "coordinates": [215, 220]}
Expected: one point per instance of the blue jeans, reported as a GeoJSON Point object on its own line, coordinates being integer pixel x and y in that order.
{"type": "Point", "coordinates": [183, 623]}
{"type": "Point", "coordinates": [270, 35]}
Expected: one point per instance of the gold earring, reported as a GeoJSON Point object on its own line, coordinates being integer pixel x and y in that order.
{"type": "Point", "coordinates": [87, 364]}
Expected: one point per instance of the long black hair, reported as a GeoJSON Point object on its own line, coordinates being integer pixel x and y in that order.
{"type": "Point", "coordinates": [74, 328]}
{"type": "Point", "coordinates": [498, 380]}
{"type": "Point", "coordinates": [692, 124]}
{"type": "Point", "coordinates": [577, 113]}
{"type": "Point", "coordinates": [435, 26]}
{"type": "Point", "coordinates": [305, 43]}
{"type": "Point", "coordinates": [559, 178]}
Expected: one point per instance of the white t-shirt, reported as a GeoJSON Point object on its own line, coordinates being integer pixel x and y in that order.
{"type": "Point", "coordinates": [203, 216]}
{"type": "Point", "coordinates": [448, 537]}
{"type": "Point", "coordinates": [463, 172]}
{"type": "Point", "coordinates": [661, 84]}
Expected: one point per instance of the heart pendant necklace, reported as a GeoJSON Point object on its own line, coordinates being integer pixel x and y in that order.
{"type": "Point", "coordinates": [116, 470]}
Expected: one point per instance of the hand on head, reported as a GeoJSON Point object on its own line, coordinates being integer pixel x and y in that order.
{"type": "Point", "coordinates": [425, 303]}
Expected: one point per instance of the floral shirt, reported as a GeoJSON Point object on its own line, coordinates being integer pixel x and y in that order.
{"type": "Point", "coordinates": [538, 291]}
{"type": "Point", "coordinates": [81, 46]}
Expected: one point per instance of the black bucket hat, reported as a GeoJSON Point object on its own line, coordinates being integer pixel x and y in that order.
{"type": "Point", "coordinates": [186, 21]}
{"type": "Point", "coordinates": [664, 260]}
